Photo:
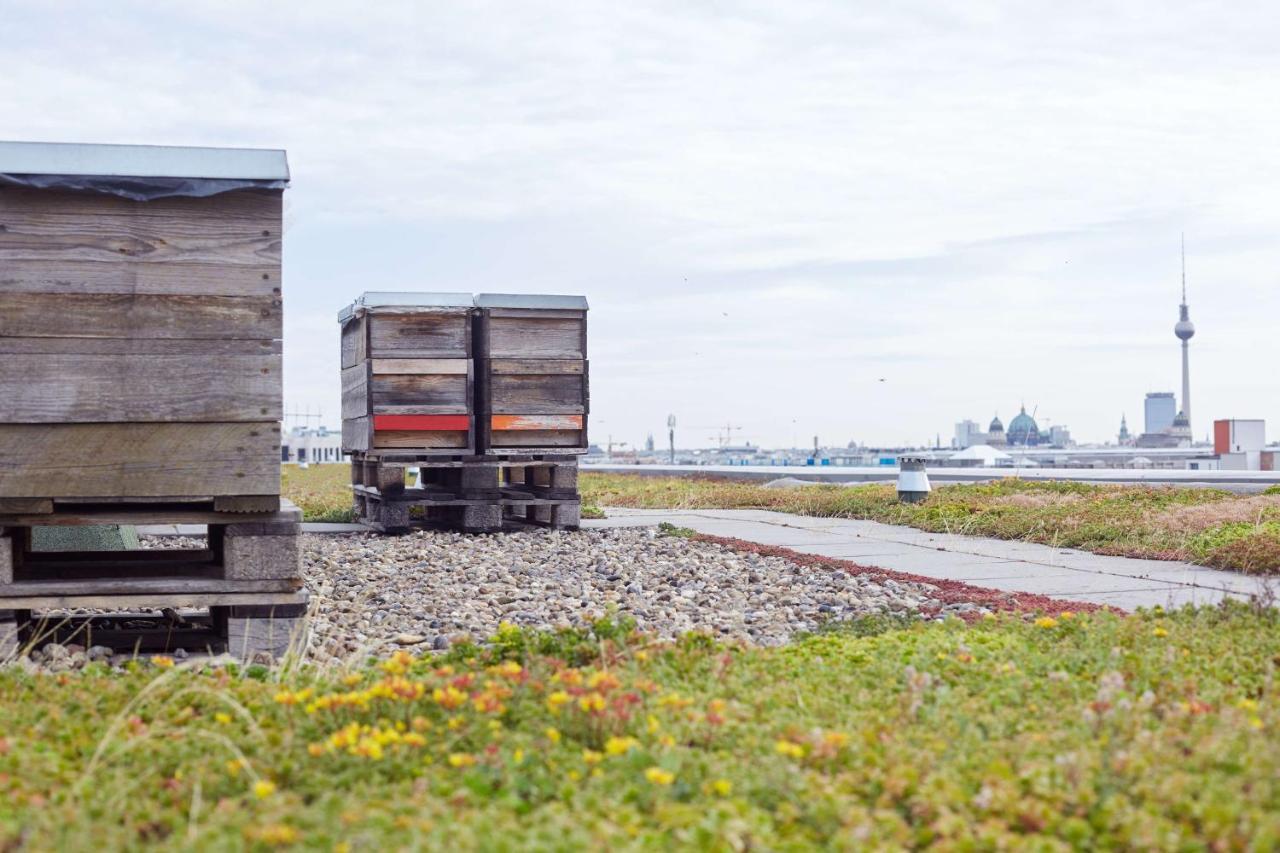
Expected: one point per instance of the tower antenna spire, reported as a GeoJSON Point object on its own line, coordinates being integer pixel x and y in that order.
{"type": "Point", "coordinates": [1184, 268]}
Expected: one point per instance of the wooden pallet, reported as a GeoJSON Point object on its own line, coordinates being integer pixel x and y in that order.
{"type": "Point", "coordinates": [248, 561]}
{"type": "Point", "coordinates": [482, 496]}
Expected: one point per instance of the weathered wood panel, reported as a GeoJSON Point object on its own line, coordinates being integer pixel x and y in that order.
{"type": "Point", "coordinates": [356, 434]}
{"type": "Point", "coordinates": [230, 229]}
{"type": "Point", "coordinates": [536, 438]}
{"type": "Point", "coordinates": [435, 335]}
{"type": "Point", "coordinates": [142, 460]}
{"type": "Point", "coordinates": [536, 394]}
{"type": "Point", "coordinates": [56, 389]}
{"type": "Point", "coordinates": [355, 391]}
{"type": "Point", "coordinates": [536, 337]}
{"type": "Point", "coordinates": [419, 438]}
{"type": "Point", "coordinates": [354, 349]}
{"type": "Point", "coordinates": [517, 366]}
{"type": "Point", "coordinates": [407, 366]}
{"type": "Point", "coordinates": [438, 391]}
{"type": "Point", "coordinates": [136, 346]}
{"type": "Point", "coordinates": [116, 315]}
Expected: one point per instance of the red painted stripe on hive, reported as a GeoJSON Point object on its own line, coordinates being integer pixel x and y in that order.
{"type": "Point", "coordinates": [506, 422]}
{"type": "Point", "coordinates": [425, 422]}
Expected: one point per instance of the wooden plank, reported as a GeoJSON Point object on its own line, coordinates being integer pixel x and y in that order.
{"type": "Point", "coordinates": [160, 513]}
{"type": "Point", "coordinates": [227, 230]}
{"type": "Point", "coordinates": [354, 348]}
{"type": "Point", "coordinates": [355, 391]}
{"type": "Point", "coordinates": [246, 503]}
{"type": "Point", "coordinates": [442, 366]}
{"type": "Point", "coordinates": [421, 422]}
{"type": "Point", "coordinates": [137, 346]}
{"type": "Point", "coordinates": [545, 394]}
{"type": "Point", "coordinates": [25, 506]}
{"type": "Point", "coordinates": [149, 600]}
{"type": "Point", "coordinates": [530, 337]}
{"type": "Point", "coordinates": [537, 313]}
{"type": "Point", "coordinates": [420, 390]}
{"type": "Point", "coordinates": [537, 422]}
{"type": "Point", "coordinates": [143, 460]}
{"type": "Point", "coordinates": [174, 585]}
{"type": "Point", "coordinates": [536, 438]}
{"type": "Point", "coordinates": [357, 434]}
{"type": "Point", "coordinates": [419, 410]}
{"type": "Point", "coordinates": [54, 388]}
{"type": "Point", "coordinates": [443, 334]}
{"type": "Point", "coordinates": [123, 315]}
{"type": "Point", "coordinates": [536, 366]}
{"type": "Point", "coordinates": [420, 438]}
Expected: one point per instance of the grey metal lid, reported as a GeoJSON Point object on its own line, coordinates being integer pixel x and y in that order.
{"type": "Point", "coordinates": [143, 161]}
{"type": "Point", "coordinates": [531, 300]}
{"type": "Point", "coordinates": [391, 300]}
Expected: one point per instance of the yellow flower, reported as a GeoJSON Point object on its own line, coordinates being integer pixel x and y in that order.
{"type": "Point", "coordinates": [590, 756]}
{"type": "Point", "coordinates": [722, 787]}
{"type": "Point", "coordinates": [1067, 614]}
{"type": "Point", "coordinates": [162, 661]}
{"type": "Point", "coordinates": [557, 699]}
{"type": "Point", "coordinates": [1247, 705]}
{"type": "Point", "coordinates": [789, 749]}
{"type": "Point", "coordinates": [518, 756]}
{"type": "Point", "coordinates": [454, 723]}
{"type": "Point", "coordinates": [592, 702]}
{"type": "Point", "coordinates": [315, 750]}
{"type": "Point", "coordinates": [836, 740]}
{"type": "Point", "coordinates": [277, 835]}
{"type": "Point", "coordinates": [235, 765]}
{"type": "Point", "coordinates": [222, 718]}
{"type": "Point", "coordinates": [642, 656]}
{"type": "Point", "coordinates": [1046, 622]}
{"type": "Point", "coordinates": [263, 788]}
{"type": "Point", "coordinates": [1159, 632]}
{"type": "Point", "coordinates": [652, 725]}
{"type": "Point", "coordinates": [553, 735]}
{"type": "Point", "coordinates": [461, 759]}
{"type": "Point", "coordinates": [658, 776]}
{"type": "Point", "coordinates": [620, 745]}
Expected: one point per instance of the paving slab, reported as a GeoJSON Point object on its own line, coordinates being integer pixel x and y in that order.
{"type": "Point", "coordinates": [1028, 567]}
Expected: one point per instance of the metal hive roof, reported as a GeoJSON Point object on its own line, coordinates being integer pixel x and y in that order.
{"type": "Point", "coordinates": [143, 161]}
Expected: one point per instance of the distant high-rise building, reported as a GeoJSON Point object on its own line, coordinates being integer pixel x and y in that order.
{"type": "Point", "coordinates": [1159, 410]}
{"type": "Point", "coordinates": [1059, 436]}
{"type": "Point", "coordinates": [968, 433]}
{"type": "Point", "coordinates": [1184, 329]}
{"type": "Point", "coordinates": [648, 443]}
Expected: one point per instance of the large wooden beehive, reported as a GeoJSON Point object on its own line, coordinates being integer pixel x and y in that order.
{"type": "Point", "coordinates": [140, 324]}
{"type": "Point", "coordinates": [407, 374]}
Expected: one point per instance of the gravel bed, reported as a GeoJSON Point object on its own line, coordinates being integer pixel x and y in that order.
{"type": "Point", "coordinates": [428, 590]}
{"type": "Point", "coordinates": [431, 588]}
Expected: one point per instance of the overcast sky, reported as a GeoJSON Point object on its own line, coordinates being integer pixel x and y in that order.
{"type": "Point", "coordinates": [799, 218]}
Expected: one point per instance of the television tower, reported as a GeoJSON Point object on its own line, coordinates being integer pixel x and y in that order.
{"type": "Point", "coordinates": [1184, 329]}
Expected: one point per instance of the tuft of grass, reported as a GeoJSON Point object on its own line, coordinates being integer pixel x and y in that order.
{"type": "Point", "coordinates": [1212, 527]}
{"type": "Point", "coordinates": [1151, 731]}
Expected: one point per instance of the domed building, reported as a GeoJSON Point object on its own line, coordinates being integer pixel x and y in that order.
{"type": "Point", "coordinates": [995, 433]}
{"type": "Point", "coordinates": [1023, 430]}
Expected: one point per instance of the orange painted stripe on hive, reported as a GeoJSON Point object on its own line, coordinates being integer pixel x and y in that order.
{"type": "Point", "coordinates": [425, 422]}
{"type": "Point", "coordinates": [537, 422]}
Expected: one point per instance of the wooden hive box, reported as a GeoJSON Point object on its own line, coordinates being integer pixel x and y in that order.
{"type": "Point", "coordinates": [531, 374]}
{"type": "Point", "coordinates": [140, 324]}
{"type": "Point", "coordinates": [407, 374]}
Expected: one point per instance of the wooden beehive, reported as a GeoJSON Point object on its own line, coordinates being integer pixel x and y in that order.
{"type": "Point", "coordinates": [531, 373]}
{"type": "Point", "coordinates": [407, 374]}
{"type": "Point", "coordinates": [140, 324]}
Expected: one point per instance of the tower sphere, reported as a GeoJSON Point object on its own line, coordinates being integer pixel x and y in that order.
{"type": "Point", "coordinates": [1184, 328]}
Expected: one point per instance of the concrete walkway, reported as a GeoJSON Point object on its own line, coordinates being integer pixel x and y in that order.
{"type": "Point", "coordinates": [1013, 566]}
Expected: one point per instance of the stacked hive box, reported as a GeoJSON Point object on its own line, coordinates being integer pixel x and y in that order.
{"type": "Point", "coordinates": [501, 434]}
{"type": "Point", "coordinates": [406, 374]}
{"type": "Point", "coordinates": [532, 373]}
{"type": "Point", "coordinates": [140, 374]}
